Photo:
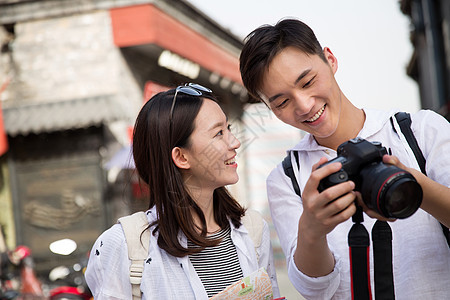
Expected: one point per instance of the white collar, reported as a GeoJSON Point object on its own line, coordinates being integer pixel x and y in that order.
{"type": "Point", "coordinates": [375, 120]}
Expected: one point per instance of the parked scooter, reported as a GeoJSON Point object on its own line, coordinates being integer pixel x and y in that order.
{"type": "Point", "coordinates": [71, 282]}
{"type": "Point", "coordinates": [69, 293]}
{"type": "Point", "coordinates": [17, 276]}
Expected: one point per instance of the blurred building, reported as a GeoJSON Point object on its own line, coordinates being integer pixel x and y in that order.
{"type": "Point", "coordinates": [74, 75]}
{"type": "Point", "coordinates": [430, 61]}
{"type": "Point", "coordinates": [264, 147]}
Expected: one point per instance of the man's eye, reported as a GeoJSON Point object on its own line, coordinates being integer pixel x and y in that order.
{"type": "Point", "coordinates": [309, 82]}
{"type": "Point", "coordinates": [282, 104]}
{"type": "Point", "coordinates": [219, 133]}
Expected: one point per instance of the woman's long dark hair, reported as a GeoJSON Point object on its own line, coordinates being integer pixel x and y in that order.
{"type": "Point", "coordinates": [153, 141]}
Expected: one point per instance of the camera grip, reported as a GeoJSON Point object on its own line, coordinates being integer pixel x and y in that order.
{"type": "Point", "coordinates": [333, 179]}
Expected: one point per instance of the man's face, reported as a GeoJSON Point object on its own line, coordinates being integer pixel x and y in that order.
{"type": "Point", "coordinates": [301, 91]}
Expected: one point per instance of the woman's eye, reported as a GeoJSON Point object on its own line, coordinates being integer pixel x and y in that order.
{"type": "Point", "coordinates": [229, 127]}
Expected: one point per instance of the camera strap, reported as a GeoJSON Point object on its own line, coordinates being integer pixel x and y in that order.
{"type": "Point", "coordinates": [382, 260]}
{"type": "Point", "coordinates": [358, 241]}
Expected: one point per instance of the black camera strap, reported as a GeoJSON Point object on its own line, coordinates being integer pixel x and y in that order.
{"type": "Point", "coordinates": [358, 241]}
{"type": "Point", "coordinates": [382, 260]}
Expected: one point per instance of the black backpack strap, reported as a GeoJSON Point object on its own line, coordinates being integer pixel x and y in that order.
{"type": "Point", "coordinates": [404, 121]}
{"type": "Point", "coordinates": [289, 171]}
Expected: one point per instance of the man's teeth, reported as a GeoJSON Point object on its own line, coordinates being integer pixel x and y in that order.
{"type": "Point", "coordinates": [317, 115]}
{"type": "Point", "coordinates": [230, 161]}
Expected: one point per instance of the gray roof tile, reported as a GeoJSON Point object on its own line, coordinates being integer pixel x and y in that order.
{"type": "Point", "coordinates": [62, 115]}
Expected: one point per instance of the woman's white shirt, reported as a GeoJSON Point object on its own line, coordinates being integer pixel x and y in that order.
{"type": "Point", "coordinates": [165, 276]}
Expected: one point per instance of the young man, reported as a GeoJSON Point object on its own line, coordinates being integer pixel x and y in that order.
{"type": "Point", "coordinates": [285, 67]}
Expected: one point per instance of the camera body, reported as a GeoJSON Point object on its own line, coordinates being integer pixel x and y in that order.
{"type": "Point", "coordinates": [387, 189]}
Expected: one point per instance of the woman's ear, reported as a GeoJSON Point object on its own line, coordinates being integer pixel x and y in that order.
{"type": "Point", "coordinates": [179, 158]}
{"type": "Point", "coordinates": [331, 59]}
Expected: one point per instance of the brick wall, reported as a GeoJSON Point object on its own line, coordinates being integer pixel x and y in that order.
{"type": "Point", "coordinates": [69, 57]}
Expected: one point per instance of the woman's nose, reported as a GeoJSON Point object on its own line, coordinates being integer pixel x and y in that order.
{"type": "Point", "coordinates": [233, 142]}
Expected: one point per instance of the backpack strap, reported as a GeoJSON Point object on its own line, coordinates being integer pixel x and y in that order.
{"type": "Point", "coordinates": [289, 170]}
{"type": "Point", "coordinates": [404, 121]}
{"type": "Point", "coordinates": [253, 222]}
{"type": "Point", "coordinates": [137, 244]}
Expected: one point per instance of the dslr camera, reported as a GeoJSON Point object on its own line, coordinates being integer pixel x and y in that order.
{"type": "Point", "coordinates": [386, 189]}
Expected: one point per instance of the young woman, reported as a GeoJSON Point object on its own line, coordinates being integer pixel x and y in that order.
{"type": "Point", "coordinates": [184, 150]}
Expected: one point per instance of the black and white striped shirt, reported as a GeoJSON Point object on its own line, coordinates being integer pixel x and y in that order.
{"type": "Point", "coordinates": [217, 267]}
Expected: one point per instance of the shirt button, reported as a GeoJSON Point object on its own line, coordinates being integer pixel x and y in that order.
{"type": "Point", "coordinates": [327, 151]}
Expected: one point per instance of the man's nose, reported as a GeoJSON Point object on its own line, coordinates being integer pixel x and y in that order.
{"type": "Point", "coordinates": [303, 103]}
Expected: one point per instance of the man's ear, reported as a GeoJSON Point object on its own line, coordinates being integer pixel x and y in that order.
{"type": "Point", "coordinates": [331, 59]}
{"type": "Point", "coordinates": [179, 158]}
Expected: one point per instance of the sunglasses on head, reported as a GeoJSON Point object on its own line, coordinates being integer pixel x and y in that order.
{"type": "Point", "coordinates": [192, 89]}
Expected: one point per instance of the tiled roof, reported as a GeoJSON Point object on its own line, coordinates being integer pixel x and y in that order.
{"type": "Point", "coordinates": [62, 115]}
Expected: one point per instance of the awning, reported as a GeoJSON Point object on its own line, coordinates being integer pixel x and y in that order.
{"type": "Point", "coordinates": [63, 115]}
{"type": "Point", "coordinates": [147, 24]}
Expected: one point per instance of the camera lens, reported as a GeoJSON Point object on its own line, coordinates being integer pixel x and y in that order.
{"type": "Point", "coordinates": [399, 197]}
{"type": "Point", "coordinates": [390, 191]}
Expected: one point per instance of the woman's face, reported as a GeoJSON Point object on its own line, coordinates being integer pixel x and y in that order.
{"type": "Point", "coordinates": [212, 149]}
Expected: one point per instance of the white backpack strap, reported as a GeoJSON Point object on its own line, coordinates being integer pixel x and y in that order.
{"type": "Point", "coordinates": [137, 244]}
{"type": "Point", "coordinates": [253, 222]}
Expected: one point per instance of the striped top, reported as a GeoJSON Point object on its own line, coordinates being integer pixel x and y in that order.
{"type": "Point", "coordinates": [217, 267]}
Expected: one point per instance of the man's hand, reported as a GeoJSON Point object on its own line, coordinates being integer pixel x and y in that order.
{"type": "Point", "coordinates": [371, 213]}
{"type": "Point", "coordinates": [322, 212]}
{"type": "Point", "coordinates": [436, 197]}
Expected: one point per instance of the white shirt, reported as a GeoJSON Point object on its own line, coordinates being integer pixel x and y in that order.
{"type": "Point", "coordinates": [421, 256]}
{"type": "Point", "coordinates": [165, 276]}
